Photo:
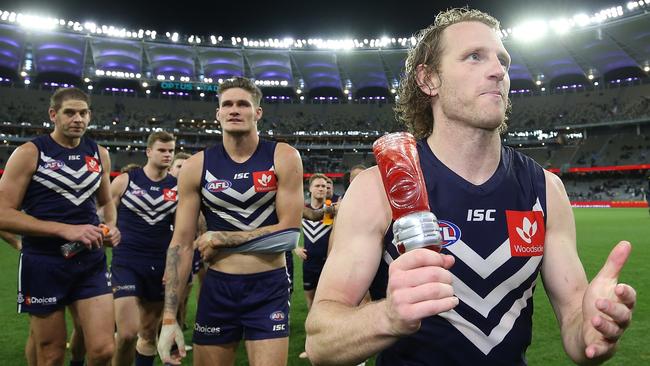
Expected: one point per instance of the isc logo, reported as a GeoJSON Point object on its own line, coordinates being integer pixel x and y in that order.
{"type": "Point", "coordinates": [218, 185]}
{"type": "Point", "coordinates": [481, 214]}
{"type": "Point", "coordinates": [279, 327]}
{"type": "Point", "coordinates": [241, 175]}
{"type": "Point", "coordinates": [74, 157]}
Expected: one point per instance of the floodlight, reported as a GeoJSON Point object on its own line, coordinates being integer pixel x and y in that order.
{"type": "Point", "coordinates": [530, 31]}
{"type": "Point", "coordinates": [90, 87]}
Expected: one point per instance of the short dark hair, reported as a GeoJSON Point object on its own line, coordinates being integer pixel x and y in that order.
{"type": "Point", "coordinates": [63, 94]}
{"type": "Point", "coordinates": [242, 83]}
{"type": "Point", "coordinates": [162, 136]}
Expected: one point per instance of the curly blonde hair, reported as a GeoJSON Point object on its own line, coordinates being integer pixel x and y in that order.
{"type": "Point", "coordinates": [413, 106]}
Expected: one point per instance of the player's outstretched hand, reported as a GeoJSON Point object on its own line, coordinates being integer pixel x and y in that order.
{"type": "Point", "coordinates": [170, 334]}
{"type": "Point", "coordinates": [607, 306]}
{"type": "Point", "coordinates": [419, 286]}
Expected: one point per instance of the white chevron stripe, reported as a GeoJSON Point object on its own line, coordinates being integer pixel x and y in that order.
{"type": "Point", "coordinates": [538, 206]}
{"type": "Point", "coordinates": [144, 206]}
{"type": "Point", "coordinates": [75, 173]}
{"type": "Point", "coordinates": [54, 175]}
{"type": "Point", "coordinates": [387, 258]}
{"type": "Point", "coordinates": [241, 197]}
{"type": "Point", "coordinates": [485, 343]}
{"type": "Point", "coordinates": [65, 193]}
{"type": "Point", "coordinates": [146, 217]}
{"type": "Point", "coordinates": [483, 267]}
{"type": "Point", "coordinates": [243, 212]}
{"type": "Point", "coordinates": [486, 304]}
{"type": "Point", "coordinates": [152, 212]}
{"type": "Point", "coordinates": [235, 222]}
{"type": "Point", "coordinates": [315, 229]}
{"type": "Point", "coordinates": [315, 238]}
{"type": "Point", "coordinates": [147, 196]}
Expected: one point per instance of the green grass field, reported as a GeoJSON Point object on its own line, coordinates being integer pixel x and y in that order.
{"type": "Point", "coordinates": [598, 231]}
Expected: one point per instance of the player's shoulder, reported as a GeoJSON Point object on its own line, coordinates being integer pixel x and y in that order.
{"type": "Point", "coordinates": [195, 161]}
{"type": "Point", "coordinates": [25, 152]}
{"type": "Point", "coordinates": [285, 153]}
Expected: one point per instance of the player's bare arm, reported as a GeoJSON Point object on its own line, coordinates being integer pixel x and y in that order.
{"type": "Point", "coordinates": [14, 182]}
{"type": "Point", "coordinates": [288, 206]}
{"type": "Point", "coordinates": [592, 316]}
{"type": "Point", "coordinates": [179, 256]}
{"type": "Point", "coordinates": [339, 331]}
{"type": "Point", "coordinates": [106, 201]}
{"type": "Point", "coordinates": [118, 187]}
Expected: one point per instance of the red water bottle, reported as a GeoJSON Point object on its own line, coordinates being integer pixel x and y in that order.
{"type": "Point", "coordinates": [415, 226]}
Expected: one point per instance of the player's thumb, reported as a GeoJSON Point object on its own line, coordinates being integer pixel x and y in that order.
{"type": "Point", "coordinates": [180, 342]}
{"type": "Point", "coordinates": [615, 261]}
{"type": "Point", "coordinates": [163, 351]}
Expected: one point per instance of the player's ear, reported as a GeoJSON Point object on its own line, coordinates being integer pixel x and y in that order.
{"type": "Point", "coordinates": [428, 80]}
{"type": "Point", "coordinates": [258, 113]}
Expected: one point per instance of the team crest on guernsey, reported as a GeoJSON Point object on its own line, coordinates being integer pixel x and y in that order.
{"type": "Point", "coordinates": [92, 164]}
{"type": "Point", "coordinates": [169, 194]}
{"type": "Point", "coordinates": [265, 181]}
{"type": "Point", "coordinates": [526, 233]}
{"type": "Point", "coordinates": [54, 165]}
{"type": "Point", "coordinates": [217, 185]}
{"type": "Point", "coordinates": [450, 232]}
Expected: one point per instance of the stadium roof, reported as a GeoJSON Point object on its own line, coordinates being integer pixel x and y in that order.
{"type": "Point", "coordinates": [579, 56]}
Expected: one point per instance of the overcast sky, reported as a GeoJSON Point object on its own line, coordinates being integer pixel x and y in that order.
{"type": "Point", "coordinates": [280, 18]}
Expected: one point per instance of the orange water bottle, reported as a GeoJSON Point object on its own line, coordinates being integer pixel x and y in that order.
{"type": "Point", "coordinates": [327, 217]}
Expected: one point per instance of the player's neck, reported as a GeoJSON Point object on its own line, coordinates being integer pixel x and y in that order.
{"type": "Point", "coordinates": [470, 152]}
{"type": "Point", "coordinates": [64, 141]}
{"type": "Point", "coordinates": [153, 173]}
{"type": "Point", "coordinates": [240, 147]}
{"type": "Point", "coordinates": [316, 203]}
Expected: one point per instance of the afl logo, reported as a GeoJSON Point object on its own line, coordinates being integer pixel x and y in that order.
{"type": "Point", "coordinates": [218, 185]}
{"type": "Point", "coordinates": [53, 165]}
{"type": "Point", "coordinates": [277, 316]}
{"type": "Point", "coordinates": [450, 232]}
{"type": "Point", "coordinates": [138, 192]}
